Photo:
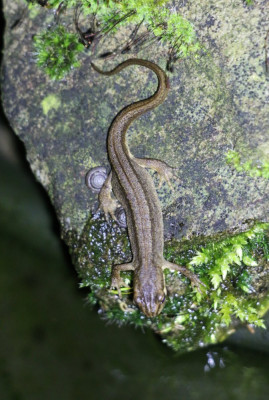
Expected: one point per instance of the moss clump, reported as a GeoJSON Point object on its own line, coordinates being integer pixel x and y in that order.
{"type": "Point", "coordinates": [157, 22]}
{"type": "Point", "coordinates": [256, 170]}
{"type": "Point", "coordinates": [56, 51]}
{"type": "Point", "coordinates": [228, 268]}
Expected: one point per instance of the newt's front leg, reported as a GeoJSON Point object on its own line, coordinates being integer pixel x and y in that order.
{"type": "Point", "coordinates": [116, 280]}
{"type": "Point", "coordinates": [195, 281]}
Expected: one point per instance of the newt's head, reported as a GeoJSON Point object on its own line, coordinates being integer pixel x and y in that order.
{"type": "Point", "coordinates": [150, 292]}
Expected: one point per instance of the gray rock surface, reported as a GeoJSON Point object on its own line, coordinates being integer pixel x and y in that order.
{"type": "Point", "coordinates": [216, 103]}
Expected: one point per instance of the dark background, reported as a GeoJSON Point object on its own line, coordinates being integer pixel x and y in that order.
{"type": "Point", "coordinates": [53, 346]}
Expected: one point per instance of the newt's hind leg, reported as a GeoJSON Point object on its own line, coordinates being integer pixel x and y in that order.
{"type": "Point", "coordinates": [164, 171]}
{"type": "Point", "coordinates": [195, 281]}
{"type": "Point", "coordinates": [106, 202]}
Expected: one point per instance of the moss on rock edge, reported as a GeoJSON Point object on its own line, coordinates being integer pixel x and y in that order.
{"type": "Point", "coordinates": [213, 106]}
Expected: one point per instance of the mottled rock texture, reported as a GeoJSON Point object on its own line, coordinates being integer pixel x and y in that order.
{"type": "Point", "coordinates": [218, 102]}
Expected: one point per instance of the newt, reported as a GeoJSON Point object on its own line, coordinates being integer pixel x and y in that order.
{"type": "Point", "coordinates": [133, 187]}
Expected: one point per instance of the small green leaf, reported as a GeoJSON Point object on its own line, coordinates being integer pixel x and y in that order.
{"type": "Point", "coordinates": [239, 251]}
{"type": "Point", "coordinates": [249, 261]}
{"type": "Point", "coordinates": [245, 288]}
{"type": "Point", "coordinates": [226, 315]}
{"type": "Point", "coordinates": [201, 258]}
{"type": "Point", "coordinates": [260, 323]}
{"type": "Point", "coordinates": [215, 279]}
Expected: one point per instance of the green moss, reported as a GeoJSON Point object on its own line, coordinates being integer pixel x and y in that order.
{"type": "Point", "coordinates": [57, 48]}
{"type": "Point", "coordinates": [50, 102]}
{"type": "Point", "coordinates": [227, 267]}
{"type": "Point", "coordinates": [256, 170]}
{"type": "Point", "coordinates": [189, 319]}
{"type": "Point", "coordinates": [56, 51]}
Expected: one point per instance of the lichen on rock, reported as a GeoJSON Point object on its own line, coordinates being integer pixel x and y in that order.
{"type": "Point", "coordinates": [216, 104]}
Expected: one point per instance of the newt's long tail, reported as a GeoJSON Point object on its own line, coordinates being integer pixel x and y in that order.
{"type": "Point", "coordinates": [163, 83]}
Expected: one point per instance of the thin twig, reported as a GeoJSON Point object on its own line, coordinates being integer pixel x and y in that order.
{"type": "Point", "coordinates": [61, 7]}
{"type": "Point", "coordinates": [87, 37]}
{"type": "Point", "coordinates": [132, 37]}
{"type": "Point", "coordinates": [119, 20]}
